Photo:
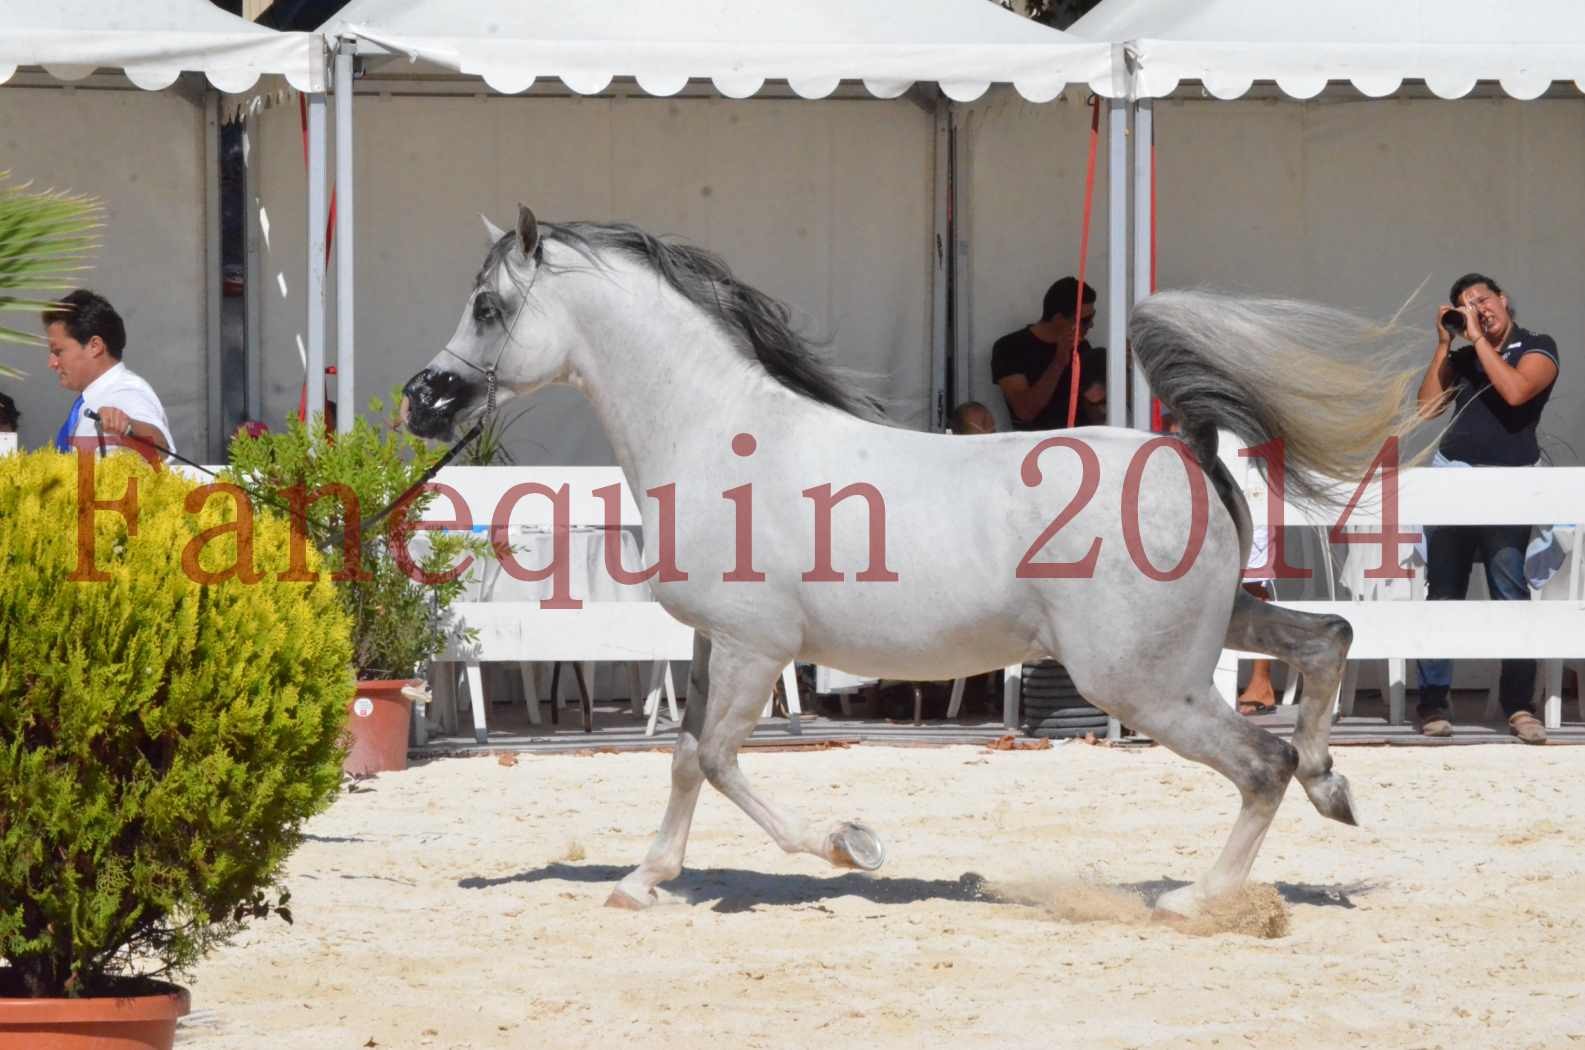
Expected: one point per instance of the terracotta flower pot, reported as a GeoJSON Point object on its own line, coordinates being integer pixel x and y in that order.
{"type": "Point", "coordinates": [139, 1022]}
{"type": "Point", "coordinates": [377, 721]}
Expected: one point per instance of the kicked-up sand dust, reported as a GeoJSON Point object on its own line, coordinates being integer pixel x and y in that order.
{"type": "Point", "coordinates": [1257, 910]}
{"type": "Point", "coordinates": [458, 905]}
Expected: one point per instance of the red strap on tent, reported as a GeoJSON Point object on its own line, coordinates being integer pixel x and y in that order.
{"type": "Point", "coordinates": [1084, 256]}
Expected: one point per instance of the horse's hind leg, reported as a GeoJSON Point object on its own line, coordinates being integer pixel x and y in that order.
{"type": "Point", "coordinates": [1318, 647]}
{"type": "Point", "coordinates": [664, 860]}
{"type": "Point", "coordinates": [1202, 727]}
{"type": "Point", "coordinates": [740, 680]}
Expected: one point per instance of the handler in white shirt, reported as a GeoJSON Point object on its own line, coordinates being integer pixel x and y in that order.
{"type": "Point", "coordinates": [86, 337]}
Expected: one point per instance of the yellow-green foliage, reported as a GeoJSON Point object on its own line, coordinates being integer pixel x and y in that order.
{"type": "Point", "coordinates": [162, 741]}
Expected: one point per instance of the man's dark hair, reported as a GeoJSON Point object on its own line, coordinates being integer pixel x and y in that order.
{"type": "Point", "coordinates": [1468, 281]}
{"type": "Point", "coordinates": [9, 416]}
{"type": "Point", "coordinates": [87, 314]}
{"type": "Point", "coordinates": [1061, 297]}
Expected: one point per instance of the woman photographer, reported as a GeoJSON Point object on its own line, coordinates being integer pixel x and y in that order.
{"type": "Point", "coordinates": [1498, 383]}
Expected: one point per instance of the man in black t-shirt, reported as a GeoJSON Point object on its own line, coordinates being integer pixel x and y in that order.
{"type": "Point", "coordinates": [1498, 383]}
{"type": "Point", "coordinates": [1031, 365]}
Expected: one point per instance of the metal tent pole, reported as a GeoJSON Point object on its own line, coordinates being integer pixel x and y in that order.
{"type": "Point", "coordinates": [940, 269]}
{"type": "Point", "coordinates": [346, 408]}
{"type": "Point", "coordinates": [1117, 300]}
{"type": "Point", "coordinates": [314, 338]}
{"type": "Point", "coordinates": [1143, 137]}
{"type": "Point", "coordinates": [214, 444]}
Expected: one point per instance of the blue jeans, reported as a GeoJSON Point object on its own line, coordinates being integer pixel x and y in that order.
{"type": "Point", "coordinates": [1451, 551]}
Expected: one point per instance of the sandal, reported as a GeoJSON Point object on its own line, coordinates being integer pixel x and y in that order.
{"type": "Point", "coordinates": [1434, 721]}
{"type": "Point", "coordinates": [1251, 708]}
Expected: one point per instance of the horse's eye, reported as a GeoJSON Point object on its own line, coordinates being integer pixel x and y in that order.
{"type": "Point", "coordinates": [485, 313]}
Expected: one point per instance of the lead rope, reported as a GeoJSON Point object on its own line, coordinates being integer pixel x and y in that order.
{"type": "Point", "coordinates": [325, 530]}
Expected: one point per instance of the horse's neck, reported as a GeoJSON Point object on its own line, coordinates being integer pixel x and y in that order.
{"type": "Point", "coordinates": [651, 363]}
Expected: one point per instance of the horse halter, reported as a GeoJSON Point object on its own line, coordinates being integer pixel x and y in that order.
{"type": "Point", "coordinates": [491, 378]}
{"type": "Point", "coordinates": [491, 382]}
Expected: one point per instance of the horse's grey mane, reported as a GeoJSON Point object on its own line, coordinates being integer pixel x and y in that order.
{"type": "Point", "coordinates": [761, 324]}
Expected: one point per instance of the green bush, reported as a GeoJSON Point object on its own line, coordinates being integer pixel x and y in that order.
{"type": "Point", "coordinates": [162, 740]}
{"type": "Point", "coordinates": [399, 621]}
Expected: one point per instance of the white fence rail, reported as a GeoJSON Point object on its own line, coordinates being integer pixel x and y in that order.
{"type": "Point", "coordinates": [1389, 624]}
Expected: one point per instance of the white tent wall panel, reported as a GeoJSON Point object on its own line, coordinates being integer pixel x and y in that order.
{"type": "Point", "coordinates": [1354, 203]}
{"type": "Point", "coordinates": [143, 154]}
{"type": "Point", "coordinates": [824, 205]}
{"type": "Point", "coordinates": [1347, 201]}
{"type": "Point", "coordinates": [1022, 214]}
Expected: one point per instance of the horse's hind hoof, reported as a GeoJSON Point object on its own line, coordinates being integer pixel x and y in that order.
{"type": "Point", "coordinates": [853, 845]}
{"type": "Point", "coordinates": [1330, 794]}
{"type": "Point", "coordinates": [620, 898]}
{"type": "Point", "coordinates": [1177, 905]}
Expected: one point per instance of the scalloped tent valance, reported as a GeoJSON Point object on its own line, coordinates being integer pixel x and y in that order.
{"type": "Point", "coordinates": [153, 42]}
{"type": "Point", "coordinates": [1451, 45]}
{"type": "Point", "coordinates": [962, 45]}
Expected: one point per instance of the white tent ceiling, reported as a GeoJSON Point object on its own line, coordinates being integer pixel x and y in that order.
{"type": "Point", "coordinates": [154, 42]}
{"type": "Point", "coordinates": [964, 45]}
{"type": "Point", "coordinates": [1227, 45]}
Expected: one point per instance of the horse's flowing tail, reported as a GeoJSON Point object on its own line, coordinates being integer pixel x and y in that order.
{"type": "Point", "coordinates": [1332, 387]}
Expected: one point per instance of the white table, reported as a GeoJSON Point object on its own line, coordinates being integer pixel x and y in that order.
{"type": "Point", "coordinates": [532, 548]}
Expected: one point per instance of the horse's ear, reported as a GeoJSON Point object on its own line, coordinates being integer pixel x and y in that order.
{"type": "Point", "coordinates": [527, 230]}
{"type": "Point", "coordinates": [495, 232]}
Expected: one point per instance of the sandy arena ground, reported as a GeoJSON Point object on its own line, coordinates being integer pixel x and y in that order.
{"type": "Point", "coordinates": [458, 905]}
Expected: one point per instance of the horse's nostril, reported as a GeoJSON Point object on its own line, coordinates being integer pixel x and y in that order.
{"type": "Point", "coordinates": [443, 383]}
{"type": "Point", "coordinates": [417, 387]}
{"type": "Point", "coordinates": [432, 399]}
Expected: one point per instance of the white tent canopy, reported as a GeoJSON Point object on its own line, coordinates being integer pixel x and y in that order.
{"type": "Point", "coordinates": [962, 46]}
{"type": "Point", "coordinates": [154, 42]}
{"type": "Point", "coordinates": [1227, 45]}
{"type": "Point", "coordinates": [738, 44]}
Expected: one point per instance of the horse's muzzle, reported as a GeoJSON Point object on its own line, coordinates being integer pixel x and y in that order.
{"type": "Point", "coordinates": [434, 398]}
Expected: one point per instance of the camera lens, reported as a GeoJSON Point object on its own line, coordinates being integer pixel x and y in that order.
{"type": "Point", "coordinates": [1453, 321]}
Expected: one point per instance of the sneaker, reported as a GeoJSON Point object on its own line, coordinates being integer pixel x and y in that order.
{"type": "Point", "coordinates": [1434, 721]}
{"type": "Point", "coordinates": [1527, 727]}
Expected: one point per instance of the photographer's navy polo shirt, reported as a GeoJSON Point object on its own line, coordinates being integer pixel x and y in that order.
{"type": "Point", "coordinates": [1486, 430]}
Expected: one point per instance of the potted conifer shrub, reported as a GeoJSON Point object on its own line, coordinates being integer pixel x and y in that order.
{"type": "Point", "coordinates": [171, 714]}
{"type": "Point", "coordinates": [396, 598]}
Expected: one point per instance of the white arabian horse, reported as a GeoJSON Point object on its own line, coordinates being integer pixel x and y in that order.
{"type": "Point", "coordinates": [942, 556]}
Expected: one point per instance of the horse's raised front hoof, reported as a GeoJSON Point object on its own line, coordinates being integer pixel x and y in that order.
{"type": "Point", "coordinates": [620, 898]}
{"type": "Point", "coordinates": [852, 845]}
{"type": "Point", "coordinates": [1185, 902]}
{"type": "Point", "coordinates": [1332, 798]}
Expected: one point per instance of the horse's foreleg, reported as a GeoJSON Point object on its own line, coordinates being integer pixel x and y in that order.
{"type": "Point", "coordinates": [1317, 646]}
{"type": "Point", "coordinates": [664, 860]}
{"type": "Point", "coordinates": [740, 681]}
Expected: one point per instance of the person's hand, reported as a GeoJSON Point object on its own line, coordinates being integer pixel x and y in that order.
{"type": "Point", "coordinates": [1472, 328]}
{"type": "Point", "coordinates": [115, 422]}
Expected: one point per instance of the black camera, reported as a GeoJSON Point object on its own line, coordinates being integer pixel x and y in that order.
{"type": "Point", "coordinates": [1453, 321]}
